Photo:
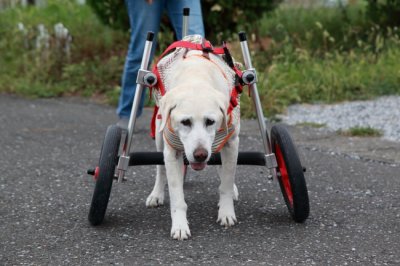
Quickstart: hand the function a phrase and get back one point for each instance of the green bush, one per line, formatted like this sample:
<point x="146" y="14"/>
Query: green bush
<point x="221" y="18"/>
<point x="385" y="13"/>
<point x="111" y="12"/>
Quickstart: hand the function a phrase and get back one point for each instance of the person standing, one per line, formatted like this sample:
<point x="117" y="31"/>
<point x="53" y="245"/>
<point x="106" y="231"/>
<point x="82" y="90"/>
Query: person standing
<point x="144" y="16"/>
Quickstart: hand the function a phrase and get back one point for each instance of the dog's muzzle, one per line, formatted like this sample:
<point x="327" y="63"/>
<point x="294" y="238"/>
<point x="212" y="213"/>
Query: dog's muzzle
<point x="200" y="155"/>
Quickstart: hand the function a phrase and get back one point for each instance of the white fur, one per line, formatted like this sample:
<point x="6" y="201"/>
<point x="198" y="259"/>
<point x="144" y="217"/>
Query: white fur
<point x="198" y="91"/>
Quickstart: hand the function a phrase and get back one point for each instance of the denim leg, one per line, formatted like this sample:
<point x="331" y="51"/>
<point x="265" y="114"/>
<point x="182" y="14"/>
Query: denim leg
<point x="175" y="13"/>
<point x="143" y="17"/>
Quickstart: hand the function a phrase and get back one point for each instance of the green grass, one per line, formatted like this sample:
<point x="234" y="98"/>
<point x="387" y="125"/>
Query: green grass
<point x="311" y="124"/>
<point x="361" y="132"/>
<point x="315" y="29"/>
<point x="346" y="76"/>
<point x="94" y="67"/>
<point x="324" y="55"/>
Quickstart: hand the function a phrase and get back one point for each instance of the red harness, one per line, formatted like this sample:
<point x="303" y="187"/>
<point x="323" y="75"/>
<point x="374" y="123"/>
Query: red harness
<point x="206" y="47"/>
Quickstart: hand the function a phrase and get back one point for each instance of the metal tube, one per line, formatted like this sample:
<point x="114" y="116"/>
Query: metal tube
<point x="254" y="94"/>
<point x="157" y="158"/>
<point x="122" y="165"/>
<point x="185" y="22"/>
<point x="139" y="91"/>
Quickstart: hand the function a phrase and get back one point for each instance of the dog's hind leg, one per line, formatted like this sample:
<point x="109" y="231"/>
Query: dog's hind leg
<point x="156" y="197"/>
<point x="227" y="189"/>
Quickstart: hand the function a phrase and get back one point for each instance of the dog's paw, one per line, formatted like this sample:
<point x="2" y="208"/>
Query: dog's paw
<point x="180" y="231"/>
<point x="235" y="193"/>
<point x="226" y="212"/>
<point x="154" y="200"/>
<point x="227" y="220"/>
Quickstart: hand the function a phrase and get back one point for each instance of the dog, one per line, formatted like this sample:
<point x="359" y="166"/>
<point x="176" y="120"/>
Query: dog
<point x="195" y="108"/>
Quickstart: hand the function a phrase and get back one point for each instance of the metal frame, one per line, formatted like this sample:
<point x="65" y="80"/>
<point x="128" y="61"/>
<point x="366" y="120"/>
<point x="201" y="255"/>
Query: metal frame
<point x="270" y="157"/>
<point x="123" y="161"/>
<point x="127" y="159"/>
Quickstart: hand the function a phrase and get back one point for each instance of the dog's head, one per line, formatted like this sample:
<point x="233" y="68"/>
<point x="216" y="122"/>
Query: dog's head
<point x="195" y="117"/>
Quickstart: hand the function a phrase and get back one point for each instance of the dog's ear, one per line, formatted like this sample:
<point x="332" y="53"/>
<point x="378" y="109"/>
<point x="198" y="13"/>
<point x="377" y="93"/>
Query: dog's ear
<point x="224" y="123"/>
<point x="223" y="106"/>
<point x="166" y="106"/>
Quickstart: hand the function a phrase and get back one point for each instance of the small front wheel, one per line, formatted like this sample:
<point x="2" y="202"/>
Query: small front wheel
<point x="106" y="171"/>
<point x="290" y="174"/>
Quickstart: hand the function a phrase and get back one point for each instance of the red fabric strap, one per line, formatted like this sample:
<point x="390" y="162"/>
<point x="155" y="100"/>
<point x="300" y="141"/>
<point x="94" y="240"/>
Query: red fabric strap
<point x="153" y="122"/>
<point x="194" y="46"/>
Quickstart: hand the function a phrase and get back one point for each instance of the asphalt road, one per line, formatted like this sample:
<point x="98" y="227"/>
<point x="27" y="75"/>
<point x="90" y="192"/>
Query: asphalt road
<point x="47" y="145"/>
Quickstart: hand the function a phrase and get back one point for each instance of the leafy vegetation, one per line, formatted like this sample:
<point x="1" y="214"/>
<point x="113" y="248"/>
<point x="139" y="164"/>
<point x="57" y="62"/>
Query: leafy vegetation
<point x="239" y="15"/>
<point x="311" y="124"/>
<point x="301" y="55"/>
<point x="384" y="12"/>
<point x="361" y="132"/>
<point x="325" y="55"/>
<point x="93" y="66"/>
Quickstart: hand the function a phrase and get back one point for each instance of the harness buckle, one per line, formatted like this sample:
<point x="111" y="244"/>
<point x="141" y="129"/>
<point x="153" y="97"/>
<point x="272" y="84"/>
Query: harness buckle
<point x="206" y="47"/>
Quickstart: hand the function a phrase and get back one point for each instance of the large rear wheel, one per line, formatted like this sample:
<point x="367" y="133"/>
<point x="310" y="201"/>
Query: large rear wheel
<point x="290" y="174"/>
<point x="105" y="174"/>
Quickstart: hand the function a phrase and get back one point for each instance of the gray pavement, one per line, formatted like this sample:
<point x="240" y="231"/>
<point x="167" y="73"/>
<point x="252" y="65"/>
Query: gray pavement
<point x="46" y="146"/>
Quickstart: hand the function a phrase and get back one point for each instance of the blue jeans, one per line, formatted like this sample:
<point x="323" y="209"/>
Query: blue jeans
<point x="144" y="17"/>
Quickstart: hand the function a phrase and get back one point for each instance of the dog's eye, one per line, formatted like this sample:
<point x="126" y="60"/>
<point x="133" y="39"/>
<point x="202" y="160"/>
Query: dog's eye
<point x="186" y="122"/>
<point x="209" y="122"/>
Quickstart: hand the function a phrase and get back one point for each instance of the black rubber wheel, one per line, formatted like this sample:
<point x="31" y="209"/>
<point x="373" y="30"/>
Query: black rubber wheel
<point x="107" y="163"/>
<point x="290" y="174"/>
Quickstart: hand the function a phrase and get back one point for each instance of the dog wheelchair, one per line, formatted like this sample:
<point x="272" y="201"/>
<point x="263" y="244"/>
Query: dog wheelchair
<point x="279" y="153"/>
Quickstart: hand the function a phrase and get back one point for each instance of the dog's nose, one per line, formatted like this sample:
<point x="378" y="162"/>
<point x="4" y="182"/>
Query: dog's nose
<point x="200" y="154"/>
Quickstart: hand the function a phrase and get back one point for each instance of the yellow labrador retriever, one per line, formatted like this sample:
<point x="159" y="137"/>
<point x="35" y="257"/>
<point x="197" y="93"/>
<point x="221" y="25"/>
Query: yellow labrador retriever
<point x="194" y="110"/>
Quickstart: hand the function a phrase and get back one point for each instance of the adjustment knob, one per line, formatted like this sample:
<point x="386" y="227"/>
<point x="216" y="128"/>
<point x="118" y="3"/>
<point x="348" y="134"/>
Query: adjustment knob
<point x="249" y="77"/>
<point x="150" y="79"/>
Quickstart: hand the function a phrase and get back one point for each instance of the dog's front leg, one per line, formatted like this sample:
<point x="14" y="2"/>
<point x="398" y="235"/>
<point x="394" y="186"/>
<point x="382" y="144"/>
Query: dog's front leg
<point x="156" y="197"/>
<point x="173" y="165"/>
<point x="227" y="188"/>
